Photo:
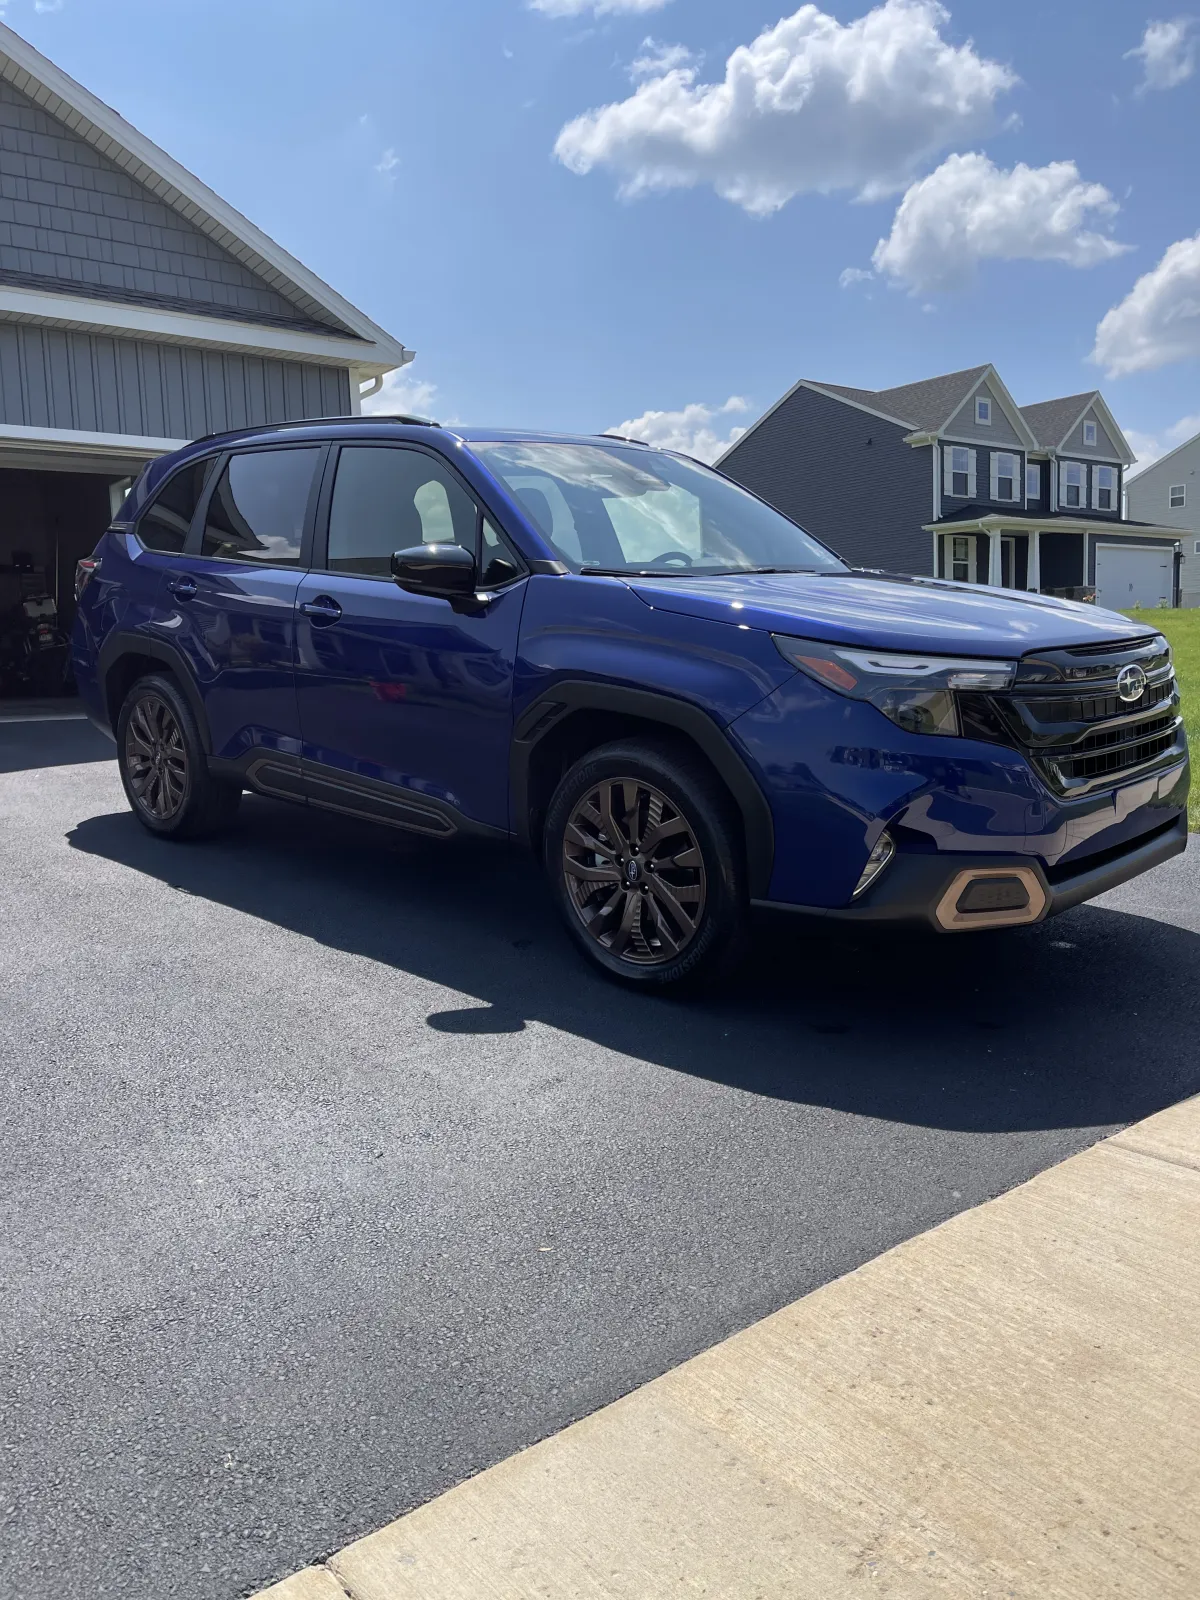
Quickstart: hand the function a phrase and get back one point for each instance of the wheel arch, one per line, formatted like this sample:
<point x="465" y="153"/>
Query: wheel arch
<point x="576" y="716"/>
<point x="126" y="657"/>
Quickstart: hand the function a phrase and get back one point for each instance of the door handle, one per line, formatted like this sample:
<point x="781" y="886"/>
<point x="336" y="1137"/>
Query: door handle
<point x="323" y="611"/>
<point x="183" y="588"/>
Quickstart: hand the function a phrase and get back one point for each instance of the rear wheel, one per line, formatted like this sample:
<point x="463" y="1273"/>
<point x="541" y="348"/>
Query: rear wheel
<point x="163" y="765"/>
<point x="644" y="853"/>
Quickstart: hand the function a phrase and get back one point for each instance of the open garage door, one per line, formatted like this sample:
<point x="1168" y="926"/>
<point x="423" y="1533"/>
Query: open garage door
<point x="1130" y="575"/>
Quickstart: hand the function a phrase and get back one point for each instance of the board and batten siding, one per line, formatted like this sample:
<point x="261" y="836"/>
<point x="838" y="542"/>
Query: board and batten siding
<point x="72" y="219"/>
<point x="50" y="378"/>
<point x="845" y="475"/>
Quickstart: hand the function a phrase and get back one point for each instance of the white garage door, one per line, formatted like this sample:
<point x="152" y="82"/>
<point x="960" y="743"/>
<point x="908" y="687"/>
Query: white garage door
<point x="1127" y="575"/>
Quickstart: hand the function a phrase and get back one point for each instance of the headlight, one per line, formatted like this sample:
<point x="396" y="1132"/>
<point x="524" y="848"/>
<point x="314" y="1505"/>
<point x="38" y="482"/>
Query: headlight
<point x="916" y="692"/>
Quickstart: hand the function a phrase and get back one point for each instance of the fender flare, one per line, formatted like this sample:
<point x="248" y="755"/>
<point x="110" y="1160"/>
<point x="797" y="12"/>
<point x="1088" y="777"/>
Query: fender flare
<point x="120" y="644"/>
<point x="550" y="708"/>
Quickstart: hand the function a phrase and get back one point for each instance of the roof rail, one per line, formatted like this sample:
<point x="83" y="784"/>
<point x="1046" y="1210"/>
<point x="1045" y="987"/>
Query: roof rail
<point x="623" y="438"/>
<point x="317" y="422"/>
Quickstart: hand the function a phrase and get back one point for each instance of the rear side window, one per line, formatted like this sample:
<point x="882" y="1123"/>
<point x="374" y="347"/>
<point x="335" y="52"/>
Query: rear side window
<point x="258" y="508"/>
<point x="387" y="499"/>
<point x="165" y="522"/>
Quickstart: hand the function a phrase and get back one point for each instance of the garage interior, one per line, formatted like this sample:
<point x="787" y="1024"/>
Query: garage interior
<point x="48" y="521"/>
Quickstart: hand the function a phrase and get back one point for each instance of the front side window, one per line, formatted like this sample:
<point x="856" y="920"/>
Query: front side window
<point x="1104" y="488"/>
<point x="1033" y="481"/>
<point x="1178" y="495"/>
<point x="257" y="510"/>
<point x="983" y="411"/>
<point x="165" y="523"/>
<point x="1089" y="433"/>
<point x="960" y="557"/>
<point x="1006" y="471"/>
<point x="960" y="471"/>
<point x="616" y="508"/>
<point x="1071" y="484"/>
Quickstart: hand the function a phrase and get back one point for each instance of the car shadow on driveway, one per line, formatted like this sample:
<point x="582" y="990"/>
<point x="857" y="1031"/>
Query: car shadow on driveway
<point x="1088" y="1021"/>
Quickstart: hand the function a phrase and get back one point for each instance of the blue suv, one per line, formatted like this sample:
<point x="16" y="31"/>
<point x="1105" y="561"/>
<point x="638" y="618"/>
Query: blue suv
<point x="677" y="699"/>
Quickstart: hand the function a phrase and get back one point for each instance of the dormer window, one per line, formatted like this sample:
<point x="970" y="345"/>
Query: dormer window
<point x="1006" y="470"/>
<point x="1072" y="483"/>
<point x="983" y="411"/>
<point x="1089" y="433"/>
<point x="960" y="472"/>
<point x="1104" y="488"/>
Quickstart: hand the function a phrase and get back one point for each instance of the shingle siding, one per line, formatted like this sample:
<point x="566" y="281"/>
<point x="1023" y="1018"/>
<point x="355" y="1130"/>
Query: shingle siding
<point x="847" y="476"/>
<point x="70" y="219"/>
<point x="88" y="382"/>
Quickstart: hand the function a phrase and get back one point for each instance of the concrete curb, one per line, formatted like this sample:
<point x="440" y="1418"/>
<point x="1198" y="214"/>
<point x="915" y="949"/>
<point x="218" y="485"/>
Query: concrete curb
<point x="1005" y="1406"/>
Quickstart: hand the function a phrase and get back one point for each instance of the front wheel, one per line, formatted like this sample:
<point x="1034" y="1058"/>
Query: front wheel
<point x="645" y="856"/>
<point x="163" y="766"/>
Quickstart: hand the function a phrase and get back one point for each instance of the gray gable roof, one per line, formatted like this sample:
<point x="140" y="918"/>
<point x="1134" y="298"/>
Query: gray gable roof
<point x="1052" y="420"/>
<point x="922" y="406"/>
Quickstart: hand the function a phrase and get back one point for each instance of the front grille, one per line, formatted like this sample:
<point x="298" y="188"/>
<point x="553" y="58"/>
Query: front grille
<point x="1064" y="714"/>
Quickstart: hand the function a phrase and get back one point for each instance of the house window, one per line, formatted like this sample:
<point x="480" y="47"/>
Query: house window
<point x="960" y="471"/>
<point x="1033" y="481"/>
<point x="1006" y="475"/>
<point x="1071" y="484"/>
<point x="960" y="557"/>
<point x="1104" y="488"/>
<point x="1178" y="493"/>
<point x="1089" y="433"/>
<point x="983" y="411"/>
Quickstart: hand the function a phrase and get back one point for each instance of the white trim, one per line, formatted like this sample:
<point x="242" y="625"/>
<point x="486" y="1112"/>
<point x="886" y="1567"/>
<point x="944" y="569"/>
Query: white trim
<point x="1033" y="466"/>
<point x="1008" y="405"/>
<point x="90" y="119"/>
<point x="949" y="470"/>
<point x="995" y="520"/>
<point x="1018" y="497"/>
<point x="994" y="571"/>
<point x="77" y="312"/>
<point x="1172" y="489"/>
<point x="1094" y="442"/>
<point x="1097" y="401"/>
<point x="983" y="402"/>
<point x="936" y="456"/>
<point x="135" y="447"/>
<point x="1064" y="484"/>
<point x="1033" y="569"/>
<point x="1113" y="488"/>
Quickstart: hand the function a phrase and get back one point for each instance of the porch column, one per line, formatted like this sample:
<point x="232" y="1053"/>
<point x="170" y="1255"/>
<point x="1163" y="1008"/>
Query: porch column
<point x="1033" y="574"/>
<point x="995" y="572"/>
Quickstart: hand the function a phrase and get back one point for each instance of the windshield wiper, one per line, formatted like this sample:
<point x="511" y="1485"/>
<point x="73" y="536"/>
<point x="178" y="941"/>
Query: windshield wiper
<point x="651" y="572"/>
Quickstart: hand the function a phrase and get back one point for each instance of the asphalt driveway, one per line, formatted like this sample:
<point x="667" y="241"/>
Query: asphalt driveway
<point x="331" y="1176"/>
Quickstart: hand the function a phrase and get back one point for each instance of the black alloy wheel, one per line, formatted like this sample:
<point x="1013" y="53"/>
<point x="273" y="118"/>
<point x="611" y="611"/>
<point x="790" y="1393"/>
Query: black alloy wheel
<point x="155" y="758"/>
<point x="634" y="871"/>
<point x="644" y="850"/>
<point x="164" y="766"/>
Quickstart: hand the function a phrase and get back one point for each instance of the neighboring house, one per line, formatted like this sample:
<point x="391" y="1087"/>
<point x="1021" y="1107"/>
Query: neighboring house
<point x="137" y="310"/>
<point x="1168" y="491"/>
<point x="950" y="478"/>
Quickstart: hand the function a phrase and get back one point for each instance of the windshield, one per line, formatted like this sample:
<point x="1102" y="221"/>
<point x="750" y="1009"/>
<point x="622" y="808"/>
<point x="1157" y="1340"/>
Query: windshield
<point x="616" y="509"/>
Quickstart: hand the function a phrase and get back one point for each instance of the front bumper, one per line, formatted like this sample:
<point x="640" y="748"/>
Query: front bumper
<point x="921" y="889"/>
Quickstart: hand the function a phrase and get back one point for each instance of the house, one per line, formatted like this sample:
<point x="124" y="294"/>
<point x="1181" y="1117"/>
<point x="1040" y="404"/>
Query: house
<point x="1168" y="492"/>
<point x="137" y="310"/>
<point x="950" y="478"/>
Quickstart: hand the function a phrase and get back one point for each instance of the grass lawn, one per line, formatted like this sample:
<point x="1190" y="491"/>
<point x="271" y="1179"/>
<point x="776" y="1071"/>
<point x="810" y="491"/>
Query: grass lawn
<point x="1182" y="628"/>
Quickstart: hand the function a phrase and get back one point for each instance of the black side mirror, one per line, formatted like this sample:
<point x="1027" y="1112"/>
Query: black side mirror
<point x="445" y="570"/>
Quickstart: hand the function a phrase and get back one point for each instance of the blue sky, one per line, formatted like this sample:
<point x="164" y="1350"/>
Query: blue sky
<point x="688" y="245"/>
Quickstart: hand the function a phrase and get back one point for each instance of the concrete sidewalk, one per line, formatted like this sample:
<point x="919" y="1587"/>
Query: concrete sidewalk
<point x="1006" y="1406"/>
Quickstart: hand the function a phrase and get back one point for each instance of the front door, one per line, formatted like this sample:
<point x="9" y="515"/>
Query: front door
<point x="234" y="600"/>
<point x="406" y="700"/>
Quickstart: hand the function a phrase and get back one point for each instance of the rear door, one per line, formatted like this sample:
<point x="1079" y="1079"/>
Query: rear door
<point x="405" y="699"/>
<point x="234" y="599"/>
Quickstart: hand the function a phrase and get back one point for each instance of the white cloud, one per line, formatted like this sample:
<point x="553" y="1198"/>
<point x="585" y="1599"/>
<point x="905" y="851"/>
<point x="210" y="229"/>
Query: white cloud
<point x="599" y="8"/>
<point x="402" y="395"/>
<point x="47" y="5"/>
<point x="1159" y="319"/>
<point x="387" y="164"/>
<point x="969" y="210"/>
<point x="810" y="105"/>
<point x="1148" y="447"/>
<point x="656" y="59"/>
<point x="852" y="275"/>
<point x="694" y="431"/>
<point x="1167" y="53"/>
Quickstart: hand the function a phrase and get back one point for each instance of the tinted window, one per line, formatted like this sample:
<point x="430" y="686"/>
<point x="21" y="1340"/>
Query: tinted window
<point x="390" y="499"/>
<point x="164" y="524"/>
<point x="257" y="510"/>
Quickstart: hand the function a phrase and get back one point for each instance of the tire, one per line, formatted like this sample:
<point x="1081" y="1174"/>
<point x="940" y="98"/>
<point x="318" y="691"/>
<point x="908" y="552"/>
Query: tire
<point x="163" y="765"/>
<point x="672" y="916"/>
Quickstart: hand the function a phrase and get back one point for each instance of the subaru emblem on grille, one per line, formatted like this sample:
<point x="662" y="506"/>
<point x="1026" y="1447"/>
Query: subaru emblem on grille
<point x="1131" y="682"/>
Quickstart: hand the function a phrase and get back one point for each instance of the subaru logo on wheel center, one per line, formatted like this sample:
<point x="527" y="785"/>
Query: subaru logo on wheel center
<point x="1131" y="682"/>
<point x="632" y="872"/>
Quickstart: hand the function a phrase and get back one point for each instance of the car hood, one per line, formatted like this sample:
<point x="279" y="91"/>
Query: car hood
<point x="896" y="613"/>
